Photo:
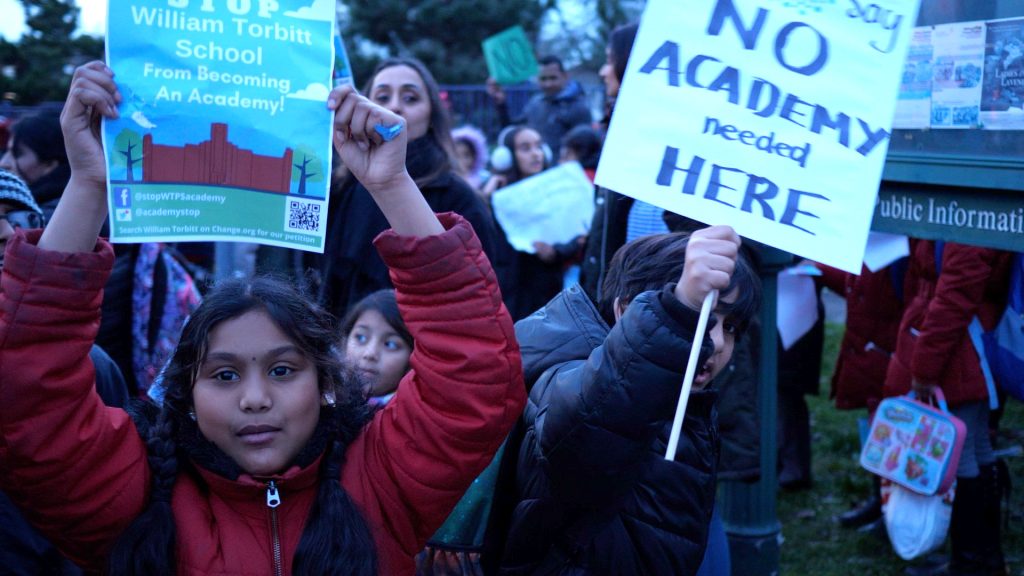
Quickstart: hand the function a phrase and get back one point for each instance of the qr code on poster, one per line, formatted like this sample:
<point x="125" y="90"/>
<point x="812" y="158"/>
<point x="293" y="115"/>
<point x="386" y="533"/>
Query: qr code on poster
<point x="303" y="216"/>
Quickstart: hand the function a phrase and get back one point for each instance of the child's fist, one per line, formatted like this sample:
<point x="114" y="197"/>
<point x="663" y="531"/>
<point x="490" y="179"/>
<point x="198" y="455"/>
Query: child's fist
<point x="710" y="261"/>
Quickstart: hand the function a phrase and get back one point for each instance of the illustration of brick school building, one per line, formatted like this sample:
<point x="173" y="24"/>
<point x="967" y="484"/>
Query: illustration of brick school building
<point x="215" y="162"/>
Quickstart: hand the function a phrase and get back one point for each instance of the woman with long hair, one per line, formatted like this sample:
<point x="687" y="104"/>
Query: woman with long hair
<point x="350" y="269"/>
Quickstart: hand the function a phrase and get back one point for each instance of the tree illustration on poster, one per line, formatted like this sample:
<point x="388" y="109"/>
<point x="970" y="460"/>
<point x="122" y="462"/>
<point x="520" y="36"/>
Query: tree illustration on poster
<point x="307" y="167"/>
<point x="128" y="145"/>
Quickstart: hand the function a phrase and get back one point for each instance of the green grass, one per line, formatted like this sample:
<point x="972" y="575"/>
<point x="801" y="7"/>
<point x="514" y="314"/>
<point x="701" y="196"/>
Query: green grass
<point x="813" y="543"/>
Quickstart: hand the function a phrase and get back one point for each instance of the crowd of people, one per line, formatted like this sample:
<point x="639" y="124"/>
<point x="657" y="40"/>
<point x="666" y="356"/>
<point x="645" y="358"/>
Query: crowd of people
<point x="427" y="398"/>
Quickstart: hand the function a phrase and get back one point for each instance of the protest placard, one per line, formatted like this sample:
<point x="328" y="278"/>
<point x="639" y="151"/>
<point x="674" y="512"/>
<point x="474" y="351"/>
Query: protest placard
<point x="224" y="133"/>
<point x="771" y="117"/>
<point x="554" y="207"/>
<point x="510" y="56"/>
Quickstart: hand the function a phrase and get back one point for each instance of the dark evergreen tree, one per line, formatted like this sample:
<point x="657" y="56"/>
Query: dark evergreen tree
<point x="42" y="61"/>
<point x="444" y="34"/>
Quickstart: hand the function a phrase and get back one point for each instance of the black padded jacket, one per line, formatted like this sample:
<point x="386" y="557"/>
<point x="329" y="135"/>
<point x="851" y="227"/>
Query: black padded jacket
<point x="594" y="492"/>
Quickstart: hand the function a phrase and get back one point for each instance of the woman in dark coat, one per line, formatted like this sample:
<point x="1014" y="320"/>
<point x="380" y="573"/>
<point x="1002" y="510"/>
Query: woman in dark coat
<point x="350" y="268"/>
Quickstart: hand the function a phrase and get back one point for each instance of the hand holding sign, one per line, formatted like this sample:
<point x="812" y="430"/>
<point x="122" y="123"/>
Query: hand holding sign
<point x="710" y="261"/>
<point x="93" y="94"/>
<point x="83" y="207"/>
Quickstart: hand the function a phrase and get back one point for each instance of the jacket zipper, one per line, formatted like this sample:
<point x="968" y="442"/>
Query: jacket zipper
<point x="273" y="501"/>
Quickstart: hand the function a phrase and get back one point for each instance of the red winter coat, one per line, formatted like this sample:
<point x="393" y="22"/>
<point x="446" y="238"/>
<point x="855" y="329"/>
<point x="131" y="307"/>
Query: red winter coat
<point x="79" y="469"/>
<point x="873" y="313"/>
<point x="933" y="345"/>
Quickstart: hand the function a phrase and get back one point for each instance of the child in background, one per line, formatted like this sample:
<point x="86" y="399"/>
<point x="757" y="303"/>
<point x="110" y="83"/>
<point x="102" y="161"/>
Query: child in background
<point x="377" y="344"/>
<point x="471" y="153"/>
<point x="527" y="281"/>
<point x="581" y="144"/>
<point x="263" y="458"/>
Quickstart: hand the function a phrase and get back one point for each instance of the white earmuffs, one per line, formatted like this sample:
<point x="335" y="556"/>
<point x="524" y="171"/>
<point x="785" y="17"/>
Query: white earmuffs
<point x="502" y="156"/>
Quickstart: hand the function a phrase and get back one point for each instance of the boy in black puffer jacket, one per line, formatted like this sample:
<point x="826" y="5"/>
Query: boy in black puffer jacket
<point x="594" y="492"/>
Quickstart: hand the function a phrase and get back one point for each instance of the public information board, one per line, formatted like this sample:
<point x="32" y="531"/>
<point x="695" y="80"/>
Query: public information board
<point x="223" y="132"/>
<point x="954" y="166"/>
<point x="771" y="117"/>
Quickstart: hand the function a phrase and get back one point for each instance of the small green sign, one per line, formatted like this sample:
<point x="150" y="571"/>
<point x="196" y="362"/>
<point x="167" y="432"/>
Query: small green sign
<point x="510" y="57"/>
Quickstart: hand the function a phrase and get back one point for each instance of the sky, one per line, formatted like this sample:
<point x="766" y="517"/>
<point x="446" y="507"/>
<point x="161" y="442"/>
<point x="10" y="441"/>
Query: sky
<point x="93" y="17"/>
<point x="91" y="20"/>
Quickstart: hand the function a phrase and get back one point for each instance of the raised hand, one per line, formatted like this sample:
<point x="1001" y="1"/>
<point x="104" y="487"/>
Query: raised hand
<point x="379" y="164"/>
<point x="710" y="261"/>
<point x="375" y="162"/>
<point x="93" y="94"/>
<point x="83" y="206"/>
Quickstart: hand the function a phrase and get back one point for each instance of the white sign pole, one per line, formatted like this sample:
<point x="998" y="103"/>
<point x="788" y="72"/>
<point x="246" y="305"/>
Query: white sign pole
<point x="691" y="371"/>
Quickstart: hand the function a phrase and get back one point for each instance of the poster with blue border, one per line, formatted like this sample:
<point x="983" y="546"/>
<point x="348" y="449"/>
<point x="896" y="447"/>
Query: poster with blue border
<point x="1002" y="92"/>
<point x="223" y="132"/>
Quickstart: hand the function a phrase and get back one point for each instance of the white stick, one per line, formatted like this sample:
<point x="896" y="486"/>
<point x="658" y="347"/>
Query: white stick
<point x="691" y="370"/>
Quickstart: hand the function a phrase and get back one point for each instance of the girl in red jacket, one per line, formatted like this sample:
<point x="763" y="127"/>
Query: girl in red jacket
<point x="263" y="458"/>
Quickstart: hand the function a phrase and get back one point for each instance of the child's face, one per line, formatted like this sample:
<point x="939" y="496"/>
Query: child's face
<point x="375" y="349"/>
<point x="723" y="335"/>
<point x="466" y="157"/>
<point x="257" y="396"/>
<point x="529" y="152"/>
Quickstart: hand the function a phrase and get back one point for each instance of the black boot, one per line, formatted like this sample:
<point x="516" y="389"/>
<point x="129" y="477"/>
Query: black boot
<point x="869" y="510"/>
<point x="995" y="479"/>
<point x="967" y="531"/>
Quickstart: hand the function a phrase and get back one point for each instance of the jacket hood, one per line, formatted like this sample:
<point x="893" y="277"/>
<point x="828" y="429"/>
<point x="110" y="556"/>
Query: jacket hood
<point x="568" y="328"/>
<point x="475" y="138"/>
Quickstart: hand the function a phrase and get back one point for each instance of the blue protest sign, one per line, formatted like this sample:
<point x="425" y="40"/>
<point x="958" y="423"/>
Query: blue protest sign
<point x="224" y="133"/>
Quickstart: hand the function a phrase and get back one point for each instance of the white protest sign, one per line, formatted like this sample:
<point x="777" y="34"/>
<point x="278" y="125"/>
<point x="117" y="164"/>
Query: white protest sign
<point x="771" y="117"/>
<point x="554" y="206"/>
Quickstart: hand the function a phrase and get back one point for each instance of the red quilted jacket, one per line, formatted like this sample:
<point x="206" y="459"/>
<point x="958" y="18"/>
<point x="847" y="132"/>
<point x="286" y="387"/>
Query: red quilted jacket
<point x="933" y="344"/>
<point x="873" y="313"/>
<point x="80" y="472"/>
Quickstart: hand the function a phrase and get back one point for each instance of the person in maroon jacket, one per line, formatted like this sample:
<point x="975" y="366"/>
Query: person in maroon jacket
<point x="263" y="458"/>
<point x="945" y="289"/>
